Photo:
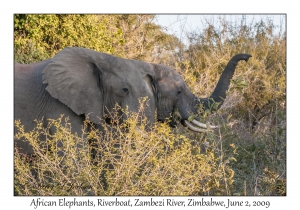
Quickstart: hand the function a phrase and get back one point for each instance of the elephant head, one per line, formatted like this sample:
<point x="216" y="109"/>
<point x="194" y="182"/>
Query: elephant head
<point x="92" y="83"/>
<point x="172" y="92"/>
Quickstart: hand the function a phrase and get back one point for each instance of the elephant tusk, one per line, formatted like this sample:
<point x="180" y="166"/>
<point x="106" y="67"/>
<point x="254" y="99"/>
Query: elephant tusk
<point x="193" y="128"/>
<point x="202" y="125"/>
<point x="199" y="124"/>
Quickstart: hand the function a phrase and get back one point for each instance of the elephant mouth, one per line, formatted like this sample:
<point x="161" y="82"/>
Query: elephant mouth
<point x="197" y="126"/>
<point x="193" y="125"/>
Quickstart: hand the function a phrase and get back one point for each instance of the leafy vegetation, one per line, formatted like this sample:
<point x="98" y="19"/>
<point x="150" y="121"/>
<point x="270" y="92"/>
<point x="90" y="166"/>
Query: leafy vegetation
<point x="246" y="155"/>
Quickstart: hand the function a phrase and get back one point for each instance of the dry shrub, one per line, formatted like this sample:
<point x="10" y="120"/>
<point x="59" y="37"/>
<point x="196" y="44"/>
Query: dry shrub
<point x="122" y="159"/>
<point x="253" y="116"/>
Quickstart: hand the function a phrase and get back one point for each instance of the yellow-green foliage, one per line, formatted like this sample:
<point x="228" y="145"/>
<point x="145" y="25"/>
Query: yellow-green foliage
<point x="39" y="37"/>
<point x="128" y="161"/>
<point x="42" y="36"/>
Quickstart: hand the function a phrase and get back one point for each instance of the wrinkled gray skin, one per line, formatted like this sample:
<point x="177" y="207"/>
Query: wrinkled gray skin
<point x="78" y="82"/>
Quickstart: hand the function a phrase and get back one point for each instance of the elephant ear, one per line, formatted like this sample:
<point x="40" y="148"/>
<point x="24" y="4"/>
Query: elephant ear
<point x="74" y="78"/>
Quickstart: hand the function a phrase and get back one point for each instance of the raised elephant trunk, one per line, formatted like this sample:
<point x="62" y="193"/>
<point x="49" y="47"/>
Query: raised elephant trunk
<point x="219" y="94"/>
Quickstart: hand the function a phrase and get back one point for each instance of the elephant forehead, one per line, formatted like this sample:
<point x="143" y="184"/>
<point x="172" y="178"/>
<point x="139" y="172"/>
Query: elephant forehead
<point x="127" y="76"/>
<point x="126" y="67"/>
<point x="168" y="74"/>
<point x="172" y="81"/>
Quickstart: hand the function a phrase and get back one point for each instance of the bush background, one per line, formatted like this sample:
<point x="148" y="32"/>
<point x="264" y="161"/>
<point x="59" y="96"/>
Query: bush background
<point x="246" y="156"/>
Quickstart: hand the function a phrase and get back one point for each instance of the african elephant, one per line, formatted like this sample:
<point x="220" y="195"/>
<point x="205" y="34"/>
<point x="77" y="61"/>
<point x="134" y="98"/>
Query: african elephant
<point x="79" y="82"/>
<point x="172" y="92"/>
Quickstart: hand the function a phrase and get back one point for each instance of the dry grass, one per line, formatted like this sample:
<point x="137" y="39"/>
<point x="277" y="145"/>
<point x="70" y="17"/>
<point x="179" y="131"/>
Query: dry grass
<point x="131" y="162"/>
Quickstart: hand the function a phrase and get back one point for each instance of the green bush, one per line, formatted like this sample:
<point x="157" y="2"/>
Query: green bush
<point x="39" y="37"/>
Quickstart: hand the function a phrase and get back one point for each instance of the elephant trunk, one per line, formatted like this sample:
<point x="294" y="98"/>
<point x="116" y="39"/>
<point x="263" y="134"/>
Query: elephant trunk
<point x="219" y="94"/>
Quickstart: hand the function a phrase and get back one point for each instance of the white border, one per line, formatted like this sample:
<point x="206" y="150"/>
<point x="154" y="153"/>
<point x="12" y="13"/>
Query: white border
<point x="8" y="8"/>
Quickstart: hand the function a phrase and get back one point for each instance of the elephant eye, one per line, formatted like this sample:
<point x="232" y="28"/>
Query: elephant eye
<point x="179" y="92"/>
<point x="125" y="90"/>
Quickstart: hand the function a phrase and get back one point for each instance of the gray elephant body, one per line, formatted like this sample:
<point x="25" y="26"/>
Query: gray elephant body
<point x="78" y="82"/>
<point x="33" y="102"/>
